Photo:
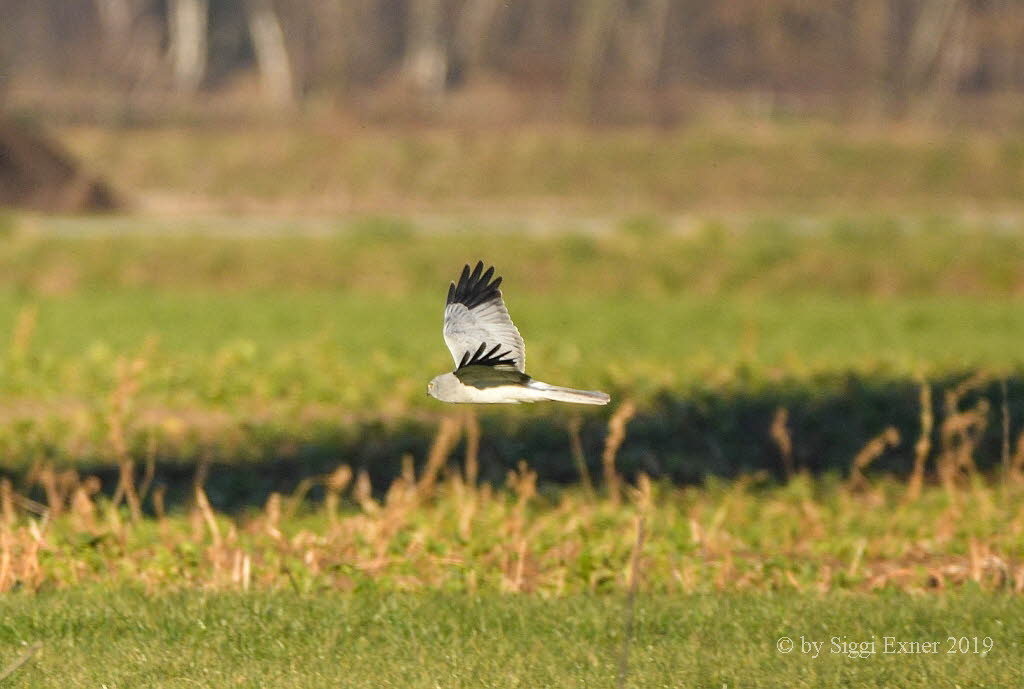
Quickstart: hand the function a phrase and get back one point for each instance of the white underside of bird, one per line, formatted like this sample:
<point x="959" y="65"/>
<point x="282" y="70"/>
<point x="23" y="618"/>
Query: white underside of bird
<point x="489" y="352"/>
<point x="451" y="389"/>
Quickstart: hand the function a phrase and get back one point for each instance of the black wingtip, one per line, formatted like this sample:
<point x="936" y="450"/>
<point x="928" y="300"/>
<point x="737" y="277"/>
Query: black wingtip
<point x="474" y="287"/>
<point x="484" y="357"/>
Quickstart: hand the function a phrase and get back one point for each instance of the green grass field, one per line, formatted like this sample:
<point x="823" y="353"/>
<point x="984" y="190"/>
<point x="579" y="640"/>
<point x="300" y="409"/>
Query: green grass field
<point x="122" y="638"/>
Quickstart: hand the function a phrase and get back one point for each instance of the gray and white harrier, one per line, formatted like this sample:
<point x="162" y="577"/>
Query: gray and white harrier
<point x="489" y="353"/>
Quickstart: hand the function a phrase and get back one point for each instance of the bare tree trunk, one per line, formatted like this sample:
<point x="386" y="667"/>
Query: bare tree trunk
<point x="472" y="31"/>
<point x="951" y="63"/>
<point x="116" y="17"/>
<point x="593" y="37"/>
<point x="271" y="53"/>
<point x="427" y="57"/>
<point x="871" y="52"/>
<point x="334" y="21"/>
<point x="187" y="22"/>
<point x="927" y="40"/>
<point x="646" y="42"/>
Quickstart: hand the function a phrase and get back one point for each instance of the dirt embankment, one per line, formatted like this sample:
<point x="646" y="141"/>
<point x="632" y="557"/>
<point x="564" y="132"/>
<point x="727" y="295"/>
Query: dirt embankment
<point x="37" y="173"/>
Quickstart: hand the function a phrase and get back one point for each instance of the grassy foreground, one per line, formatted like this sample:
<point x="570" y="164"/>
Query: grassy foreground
<point x="124" y="638"/>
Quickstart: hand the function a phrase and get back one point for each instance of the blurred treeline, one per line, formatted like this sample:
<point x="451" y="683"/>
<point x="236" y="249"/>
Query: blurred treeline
<point x="595" y="59"/>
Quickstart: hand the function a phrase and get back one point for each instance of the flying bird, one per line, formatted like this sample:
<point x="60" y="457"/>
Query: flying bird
<point x="489" y="353"/>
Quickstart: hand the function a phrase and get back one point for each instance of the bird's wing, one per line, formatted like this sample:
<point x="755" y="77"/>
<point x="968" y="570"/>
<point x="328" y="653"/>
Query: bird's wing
<point x="477" y="327"/>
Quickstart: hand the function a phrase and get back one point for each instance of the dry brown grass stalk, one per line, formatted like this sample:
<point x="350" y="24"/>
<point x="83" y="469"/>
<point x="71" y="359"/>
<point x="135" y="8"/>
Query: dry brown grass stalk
<point x="336" y="483"/>
<point x="874" y="448"/>
<point x="272" y="516"/>
<point x="46" y="477"/>
<point x="445" y="440"/>
<point x="150" y="471"/>
<point x="363" y="493"/>
<point x="783" y="441"/>
<point x="203" y="503"/>
<point x="298" y="496"/>
<point x="643" y="494"/>
<point x="616" y="436"/>
<point x="82" y="503"/>
<point x="524" y="483"/>
<point x="128" y="375"/>
<point x="961" y="431"/>
<point x="7" y="514"/>
<point x="923" y="446"/>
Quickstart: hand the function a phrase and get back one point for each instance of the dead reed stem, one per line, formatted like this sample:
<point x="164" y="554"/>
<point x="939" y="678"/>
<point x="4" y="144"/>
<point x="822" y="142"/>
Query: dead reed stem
<point x="363" y="493"/>
<point x="923" y="447"/>
<point x="616" y="435"/>
<point x="297" y="497"/>
<point x="336" y="483"/>
<point x="272" y="516"/>
<point x="7" y="502"/>
<point x="444" y="441"/>
<point x="5" y="559"/>
<point x="47" y="478"/>
<point x="120" y="399"/>
<point x="211" y="521"/>
<point x="961" y="431"/>
<point x="783" y="440"/>
<point x="82" y="505"/>
<point x="203" y="469"/>
<point x="874" y="448"/>
<point x="523" y="482"/>
<point x="150" y="472"/>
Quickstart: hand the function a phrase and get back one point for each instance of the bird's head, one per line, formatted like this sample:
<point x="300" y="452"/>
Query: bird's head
<point x="441" y="386"/>
<point x="432" y="387"/>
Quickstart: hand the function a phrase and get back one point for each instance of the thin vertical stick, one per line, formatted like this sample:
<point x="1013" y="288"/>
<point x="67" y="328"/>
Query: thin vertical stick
<point x="7" y="502"/>
<point x="783" y="440"/>
<point x="24" y="658"/>
<point x="208" y="516"/>
<point x="890" y="437"/>
<point x="150" y="473"/>
<point x="616" y="435"/>
<point x="444" y="441"/>
<point x="634" y="576"/>
<point x="924" y="443"/>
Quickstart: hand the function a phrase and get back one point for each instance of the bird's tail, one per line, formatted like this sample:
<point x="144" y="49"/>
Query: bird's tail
<point x="557" y="394"/>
